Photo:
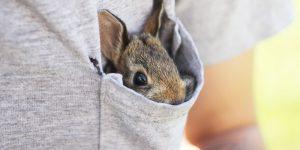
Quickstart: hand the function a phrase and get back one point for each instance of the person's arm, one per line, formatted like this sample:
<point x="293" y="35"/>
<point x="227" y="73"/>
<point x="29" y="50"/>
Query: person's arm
<point x="223" y="116"/>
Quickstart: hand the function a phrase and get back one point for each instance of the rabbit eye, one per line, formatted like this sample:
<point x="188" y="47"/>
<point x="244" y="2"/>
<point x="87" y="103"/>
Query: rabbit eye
<point x="140" y="79"/>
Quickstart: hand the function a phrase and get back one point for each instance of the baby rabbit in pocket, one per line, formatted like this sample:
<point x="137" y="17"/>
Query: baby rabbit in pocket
<point x="144" y="63"/>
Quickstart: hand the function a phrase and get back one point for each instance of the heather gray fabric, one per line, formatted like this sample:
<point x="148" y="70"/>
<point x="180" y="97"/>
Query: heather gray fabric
<point x="226" y="28"/>
<point x="49" y="90"/>
<point x="51" y="96"/>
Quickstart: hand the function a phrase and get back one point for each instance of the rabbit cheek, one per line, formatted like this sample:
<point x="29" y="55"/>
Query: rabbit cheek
<point x="158" y="94"/>
<point x="127" y="79"/>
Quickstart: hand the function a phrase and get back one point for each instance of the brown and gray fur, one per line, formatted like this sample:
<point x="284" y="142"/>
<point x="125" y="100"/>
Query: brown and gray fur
<point x="143" y="53"/>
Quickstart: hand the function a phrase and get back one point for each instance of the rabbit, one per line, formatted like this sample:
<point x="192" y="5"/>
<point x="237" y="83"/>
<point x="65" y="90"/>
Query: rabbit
<point x="144" y="63"/>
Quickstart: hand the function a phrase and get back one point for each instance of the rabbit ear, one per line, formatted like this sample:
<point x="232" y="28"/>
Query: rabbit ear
<point x="153" y="23"/>
<point x="113" y="35"/>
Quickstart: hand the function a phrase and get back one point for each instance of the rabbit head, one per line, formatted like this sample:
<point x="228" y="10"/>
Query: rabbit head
<point x="144" y="63"/>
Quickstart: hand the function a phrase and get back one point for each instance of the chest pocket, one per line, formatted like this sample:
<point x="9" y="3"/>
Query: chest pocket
<point x="130" y="121"/>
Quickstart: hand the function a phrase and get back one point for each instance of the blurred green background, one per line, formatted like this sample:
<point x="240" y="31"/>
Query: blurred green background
<point x="277" y="87"/>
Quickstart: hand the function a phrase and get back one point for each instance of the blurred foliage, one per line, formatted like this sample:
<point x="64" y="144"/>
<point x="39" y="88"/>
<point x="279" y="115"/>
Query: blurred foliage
<point x="277" y="87"/>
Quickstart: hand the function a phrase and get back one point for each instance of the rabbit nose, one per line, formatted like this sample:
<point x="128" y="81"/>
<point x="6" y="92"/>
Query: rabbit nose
<point x="177" y="98"/>
<point x="177" y="102"/>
